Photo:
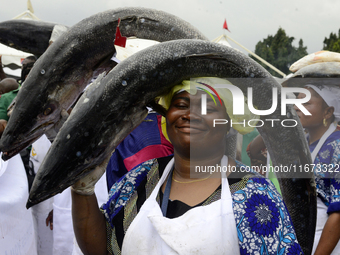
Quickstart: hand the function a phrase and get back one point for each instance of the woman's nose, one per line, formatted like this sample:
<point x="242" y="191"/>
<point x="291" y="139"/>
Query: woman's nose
<point x="296" y="108"/>
<point x="192" y="115"/>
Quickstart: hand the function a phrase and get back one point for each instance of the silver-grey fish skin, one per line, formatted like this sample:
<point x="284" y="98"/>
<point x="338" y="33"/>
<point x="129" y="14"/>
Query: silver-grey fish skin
<point x="26" y="35"/>
<point x="62" y="72"/>
<point x="102" y="118"/>
<point x="315" y="74"/>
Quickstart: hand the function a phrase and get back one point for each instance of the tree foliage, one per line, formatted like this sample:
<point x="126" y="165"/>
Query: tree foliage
<point x="279" y="51"/>
<point x="332" y="43"/>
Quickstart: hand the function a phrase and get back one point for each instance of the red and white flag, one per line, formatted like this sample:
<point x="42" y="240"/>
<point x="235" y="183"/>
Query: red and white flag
<point x="225" y="26"/>
<point x="119" y="40"/>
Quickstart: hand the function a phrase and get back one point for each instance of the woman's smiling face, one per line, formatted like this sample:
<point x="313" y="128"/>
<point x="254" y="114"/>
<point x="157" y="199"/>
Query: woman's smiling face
<point x="316" y="107"/>
<point x="188" y="128"/>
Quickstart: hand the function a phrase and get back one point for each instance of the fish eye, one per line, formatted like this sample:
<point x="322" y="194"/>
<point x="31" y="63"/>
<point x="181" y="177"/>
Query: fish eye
<point x="48" y="111"/>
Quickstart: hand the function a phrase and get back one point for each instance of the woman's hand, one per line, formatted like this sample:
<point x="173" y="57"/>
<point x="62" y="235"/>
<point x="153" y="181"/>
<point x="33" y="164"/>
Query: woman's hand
<point x="89" y="223"/>
<point x="85" y="186"/>
<point x="49" y="220"/>
<point x="257" y="152"/>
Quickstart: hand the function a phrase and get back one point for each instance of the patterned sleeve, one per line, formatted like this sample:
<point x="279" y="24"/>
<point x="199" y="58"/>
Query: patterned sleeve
<point x="327" y="174"/>
<point x="262" y="221"/>
<point x="121" y="193"/>
<point x="334" y="168"/>
<point x="122" y="190"/>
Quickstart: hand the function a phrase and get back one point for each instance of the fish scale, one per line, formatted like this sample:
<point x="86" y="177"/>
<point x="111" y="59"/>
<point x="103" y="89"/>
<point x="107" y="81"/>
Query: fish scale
<point x="115" y="104"/>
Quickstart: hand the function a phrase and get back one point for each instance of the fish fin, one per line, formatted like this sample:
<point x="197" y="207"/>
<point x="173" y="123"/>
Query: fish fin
<point x="157" y="107"/>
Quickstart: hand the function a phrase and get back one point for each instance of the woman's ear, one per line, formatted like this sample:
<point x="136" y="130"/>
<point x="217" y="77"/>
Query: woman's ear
<point x="329" y="112"/>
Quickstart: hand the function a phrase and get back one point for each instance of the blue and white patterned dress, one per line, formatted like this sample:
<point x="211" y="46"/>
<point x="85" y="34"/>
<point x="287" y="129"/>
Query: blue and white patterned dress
<point x="262" y="221"/>
<point x="327" y="171"/>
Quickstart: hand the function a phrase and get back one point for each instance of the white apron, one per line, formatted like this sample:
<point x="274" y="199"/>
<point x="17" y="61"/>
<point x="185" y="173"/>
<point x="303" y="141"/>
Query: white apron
<point x="322" y="215"/>
<point x="43" y="234"/>
<point x="209" y="229"/>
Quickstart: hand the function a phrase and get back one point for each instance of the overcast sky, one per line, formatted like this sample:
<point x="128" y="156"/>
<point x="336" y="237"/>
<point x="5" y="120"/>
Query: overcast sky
<point x="248" y="20"/>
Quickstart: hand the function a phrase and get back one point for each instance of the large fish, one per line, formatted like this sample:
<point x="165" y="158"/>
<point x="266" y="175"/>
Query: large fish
<point x="115" y="104"/>
<point x="315" y="74"/>
<point x="63" y="71"/>
<point x="27" y="35"/>
<point x="316" y="57"/>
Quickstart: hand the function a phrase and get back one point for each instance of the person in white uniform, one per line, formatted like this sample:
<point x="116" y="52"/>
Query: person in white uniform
<point x="44" y="235"/>
<point x="16" y="222"/>
<point x="324" y="144"/>
<point x="161" y="208"/>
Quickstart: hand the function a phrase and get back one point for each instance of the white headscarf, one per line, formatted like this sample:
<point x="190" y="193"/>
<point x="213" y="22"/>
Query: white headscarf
<point x="331" y="95"/>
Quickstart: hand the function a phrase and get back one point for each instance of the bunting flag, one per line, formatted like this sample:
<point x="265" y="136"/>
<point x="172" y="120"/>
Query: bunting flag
<point x="225" y="26"/>
<point x="119" y="40"/>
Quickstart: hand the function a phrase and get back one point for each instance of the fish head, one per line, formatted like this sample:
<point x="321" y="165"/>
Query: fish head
<point x="100" y="127"/>
<point x="37" y="107"/>
<point x="27" y="123"/>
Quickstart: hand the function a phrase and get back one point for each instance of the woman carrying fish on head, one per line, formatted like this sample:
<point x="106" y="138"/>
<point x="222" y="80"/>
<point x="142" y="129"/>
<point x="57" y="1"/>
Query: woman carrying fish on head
<point x="160" y="207"/>
<point x="324" y="143"/>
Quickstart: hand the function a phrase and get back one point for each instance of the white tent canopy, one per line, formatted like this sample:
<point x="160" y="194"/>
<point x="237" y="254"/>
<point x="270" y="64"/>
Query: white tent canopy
<point x="28" y="14"/>
<point x="11" y="59"/>
<point x="223" y="39"/>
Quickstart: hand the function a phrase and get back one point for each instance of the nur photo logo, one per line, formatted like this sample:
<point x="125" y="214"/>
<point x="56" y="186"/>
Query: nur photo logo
<point x="239" y="99"/>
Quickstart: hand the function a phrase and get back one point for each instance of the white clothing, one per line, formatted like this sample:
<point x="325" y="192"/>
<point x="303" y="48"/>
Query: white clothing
<point x="322" y="215"/>
<point x="43" y="233"/>
<point x="39" y="150"/>
<point x="206" y="229"/>
<point x="16" y="222"/>
<point x="64" y="239"/>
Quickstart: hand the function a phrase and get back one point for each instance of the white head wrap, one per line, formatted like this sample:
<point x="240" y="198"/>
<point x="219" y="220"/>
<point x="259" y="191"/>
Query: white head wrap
<point x="331" y="95"/>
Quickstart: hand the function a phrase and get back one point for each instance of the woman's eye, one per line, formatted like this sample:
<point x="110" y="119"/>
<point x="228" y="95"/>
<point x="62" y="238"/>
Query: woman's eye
<point x="181" y="105"/>
<point x="210" y="109"/>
